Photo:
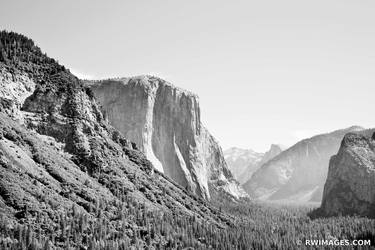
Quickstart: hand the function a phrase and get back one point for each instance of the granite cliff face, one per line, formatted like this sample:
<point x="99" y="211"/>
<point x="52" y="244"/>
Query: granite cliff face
<point x="165" y="122"/>
<point x="350" y="185"/>
<point x="297" y="174"/>
<point x="274" y="150"/>
<point x="244" y="162"/>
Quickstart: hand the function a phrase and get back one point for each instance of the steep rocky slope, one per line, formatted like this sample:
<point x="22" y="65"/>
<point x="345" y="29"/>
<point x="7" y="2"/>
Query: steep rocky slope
<point x="350" y="185"/>
<point x="165" y="122"/>
<point x="298" y="173"/>
<point x="57" y="152"/>
<point x="244" y="162"/>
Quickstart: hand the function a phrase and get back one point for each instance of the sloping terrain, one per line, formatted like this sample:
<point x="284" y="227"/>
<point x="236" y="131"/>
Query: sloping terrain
<point x="297" y="174"/>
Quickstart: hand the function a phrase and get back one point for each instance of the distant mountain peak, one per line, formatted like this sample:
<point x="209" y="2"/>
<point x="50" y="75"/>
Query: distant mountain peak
<point x="280" y="146"/>
<point x="244" y="162"/>
<point x="355" y="128"/>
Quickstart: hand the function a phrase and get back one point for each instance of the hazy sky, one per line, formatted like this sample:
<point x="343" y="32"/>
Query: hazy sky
<point x="266" y="71"/>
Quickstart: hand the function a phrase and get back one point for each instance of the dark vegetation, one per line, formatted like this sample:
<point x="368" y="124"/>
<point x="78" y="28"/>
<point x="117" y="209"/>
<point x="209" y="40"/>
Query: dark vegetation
<point x="256" y="227"/>
<point x="99" y="192"/>
<point x="19" y="53"/>
<point x="74" y="230"/>
<point x="277" y="226"/>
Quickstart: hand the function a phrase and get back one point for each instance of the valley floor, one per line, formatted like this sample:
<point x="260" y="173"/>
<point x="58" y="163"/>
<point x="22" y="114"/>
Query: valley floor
<point x="253" y="226"/>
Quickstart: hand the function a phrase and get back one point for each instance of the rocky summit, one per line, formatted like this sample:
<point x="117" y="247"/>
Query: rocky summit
<point x="350" y="185"/>
<point x="297" y="174"/>
<point x="164" y="121"/>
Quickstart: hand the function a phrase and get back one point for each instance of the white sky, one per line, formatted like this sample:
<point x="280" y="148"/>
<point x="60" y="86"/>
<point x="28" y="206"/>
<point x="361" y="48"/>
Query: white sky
<point x="266" y="71"/>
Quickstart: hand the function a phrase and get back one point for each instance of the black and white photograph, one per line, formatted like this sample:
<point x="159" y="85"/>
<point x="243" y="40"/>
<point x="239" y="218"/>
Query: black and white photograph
<point x="170" y="124"/>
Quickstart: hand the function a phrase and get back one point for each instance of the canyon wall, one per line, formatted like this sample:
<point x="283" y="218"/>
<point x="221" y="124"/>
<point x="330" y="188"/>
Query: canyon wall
<point x="164" y="121"/>
<point x="350" y="185"/>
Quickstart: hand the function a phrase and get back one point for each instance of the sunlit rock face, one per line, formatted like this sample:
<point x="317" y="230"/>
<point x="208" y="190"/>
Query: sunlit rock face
<point x="165" y="122"/>
<point x="15" y="88"/>
<point x="297" y="174"/>
<point x="350" y="185"/>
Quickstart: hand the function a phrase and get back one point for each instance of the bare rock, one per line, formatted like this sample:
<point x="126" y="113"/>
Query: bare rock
<point x="164" y="121"/>
<point x="350" y="185"/>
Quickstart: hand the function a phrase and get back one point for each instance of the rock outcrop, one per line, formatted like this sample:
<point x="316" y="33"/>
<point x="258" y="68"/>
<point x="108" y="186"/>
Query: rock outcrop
<point x="165" y="122"/>
<point x="244" y="162"/>
<point x="297" y="174"/>
<point x="350" y="185"/>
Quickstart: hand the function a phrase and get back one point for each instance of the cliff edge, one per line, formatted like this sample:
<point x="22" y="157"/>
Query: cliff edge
<point x="350" y="185"/>
<point x="165" y="122"/>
